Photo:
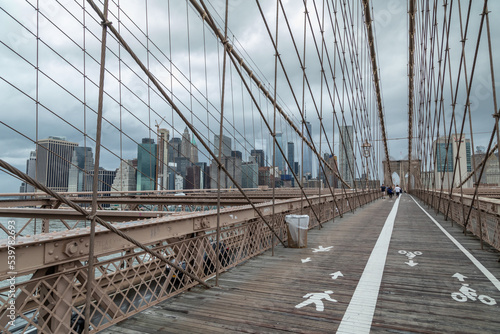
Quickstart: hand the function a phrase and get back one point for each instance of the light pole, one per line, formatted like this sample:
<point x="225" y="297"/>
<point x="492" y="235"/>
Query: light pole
<point x="366" y="153"/>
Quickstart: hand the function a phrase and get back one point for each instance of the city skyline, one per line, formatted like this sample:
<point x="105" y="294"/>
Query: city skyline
<point x="148" y="167"/>
<point x="146" y="163"/>
<point x="150" y="164"/>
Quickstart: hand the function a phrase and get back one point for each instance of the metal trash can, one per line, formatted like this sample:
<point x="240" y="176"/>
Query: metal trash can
<point x="297" y="226"/>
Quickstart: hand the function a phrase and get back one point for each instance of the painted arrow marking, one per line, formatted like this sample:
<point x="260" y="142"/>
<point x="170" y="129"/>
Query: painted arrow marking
<point x="411" y="263"/>
<point x="305" y="260"/>
<point x="322" y="249"/>
<point x="336" y="275"/>
<point x="459" y="276"/>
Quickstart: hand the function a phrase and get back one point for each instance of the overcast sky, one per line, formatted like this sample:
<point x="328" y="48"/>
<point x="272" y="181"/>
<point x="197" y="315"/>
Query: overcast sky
<point x="67" y="101"/>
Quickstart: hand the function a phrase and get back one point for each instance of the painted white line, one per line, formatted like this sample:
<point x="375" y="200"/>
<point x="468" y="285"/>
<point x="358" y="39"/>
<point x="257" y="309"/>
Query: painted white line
<point x="471" y="257"/>
<point x="359" y="314"/>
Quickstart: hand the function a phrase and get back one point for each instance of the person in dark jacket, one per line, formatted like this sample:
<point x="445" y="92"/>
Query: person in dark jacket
<point x="390" y="192"/>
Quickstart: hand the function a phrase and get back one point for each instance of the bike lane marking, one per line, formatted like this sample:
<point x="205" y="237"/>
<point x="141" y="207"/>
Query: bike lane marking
<point x="471" y="257"/>
<point x="359" y="314"/>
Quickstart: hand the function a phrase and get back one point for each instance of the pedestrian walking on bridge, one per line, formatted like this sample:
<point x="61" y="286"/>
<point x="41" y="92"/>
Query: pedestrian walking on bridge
<point x="382" y="189"/>
<point x="397" y="190"/>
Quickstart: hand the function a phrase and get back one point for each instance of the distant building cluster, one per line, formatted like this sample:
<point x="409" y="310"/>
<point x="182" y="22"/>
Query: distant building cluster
<point x="454" y="162"/>
<point x="63" y="166"/>
<point x="346" y="154"/>
<point x="172" y="164"/>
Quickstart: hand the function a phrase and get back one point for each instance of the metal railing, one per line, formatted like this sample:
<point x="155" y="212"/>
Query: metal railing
<point x="484" y="217"/>
<point x="51" y="285"/>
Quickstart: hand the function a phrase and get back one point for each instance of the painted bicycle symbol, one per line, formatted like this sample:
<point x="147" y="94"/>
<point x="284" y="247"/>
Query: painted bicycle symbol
<point x="465" y="293"/>
<point x="410" y="256"/>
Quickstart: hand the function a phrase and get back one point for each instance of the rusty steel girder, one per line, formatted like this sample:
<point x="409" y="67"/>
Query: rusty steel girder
<point x="54" y="248"/>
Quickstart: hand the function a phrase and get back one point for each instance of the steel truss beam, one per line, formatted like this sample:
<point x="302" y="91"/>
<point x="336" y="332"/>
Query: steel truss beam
<point x="66" y="246"/>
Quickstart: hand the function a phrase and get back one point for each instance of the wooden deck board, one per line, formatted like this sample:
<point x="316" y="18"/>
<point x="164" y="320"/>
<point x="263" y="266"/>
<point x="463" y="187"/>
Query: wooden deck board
<point x="260" y="296"/>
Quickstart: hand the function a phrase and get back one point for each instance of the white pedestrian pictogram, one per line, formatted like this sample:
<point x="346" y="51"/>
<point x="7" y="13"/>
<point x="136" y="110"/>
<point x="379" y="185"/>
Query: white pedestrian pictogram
<point x="322" y="249"/>
<point x="305" y="260"/>
<point x="336" y="275"/>
<point x="316" y="298"/>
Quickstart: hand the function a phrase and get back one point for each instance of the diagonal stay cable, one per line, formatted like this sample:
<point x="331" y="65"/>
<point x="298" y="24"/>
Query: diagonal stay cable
<point x="483" y="15"/>
<point x="306" y="82"/>
<point x="181" y="115"/>
<point x="376" y="80"/>
<point x="268" y="95"/>
<point x="293" y="93"/>
<point x="270" y="129"/>
<point x="290" y="167"/>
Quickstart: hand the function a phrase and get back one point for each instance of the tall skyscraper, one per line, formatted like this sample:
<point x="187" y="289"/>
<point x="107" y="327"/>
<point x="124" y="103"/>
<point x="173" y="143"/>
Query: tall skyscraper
<point x="226" y="146"/>
<point x="237" y="154"/>
<point x="194" y="150"/>
<point x="308" y="152"/>
<point x="125" y="179"/>
<point x="174" y="150"/>
<point x="186" y="144"/>
<point x="346" y="154"/>
<point x="204" y="175"/>
<point x="146" y="165"/>
<point x="31" y="172"/>
<point x="249" y="174"/>
<point x="193" y="177"/>
<point x="182" y="164"/>
<point x="329" y="174"/>
<point x="163" y="136"/>
<point x="260" y="157"/>
<point x="82" y="163"/>
<point x="105" y="179"/>
<point x="290" y="153"/>
<point x="445" y="161"/>
<point x="279" y="160"/>
<point x="52" y="162"/>
<point x="233" y="166"/>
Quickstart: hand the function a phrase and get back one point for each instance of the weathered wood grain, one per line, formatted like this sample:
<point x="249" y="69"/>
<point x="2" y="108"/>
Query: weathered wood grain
<point x="260" y="296"/>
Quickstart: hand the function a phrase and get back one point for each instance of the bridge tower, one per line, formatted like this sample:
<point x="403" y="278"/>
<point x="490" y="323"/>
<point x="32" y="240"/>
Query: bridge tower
<point x="400" y="167"/>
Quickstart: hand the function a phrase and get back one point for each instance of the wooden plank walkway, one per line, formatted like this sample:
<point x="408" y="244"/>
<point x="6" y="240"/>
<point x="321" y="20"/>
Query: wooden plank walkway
<point x="423" y="268"/>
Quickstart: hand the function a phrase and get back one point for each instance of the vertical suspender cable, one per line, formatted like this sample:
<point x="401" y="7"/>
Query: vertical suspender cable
<point x="221" y="128"/>
<point x="90" y="272"/>
<point x="37" y="70"/>
<point x="411" y="52"/>
<point x="274" y="124"/>
<point x="321" y="109"/>
<point x="303" y="111"/>
<point x="496" y="114"/>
